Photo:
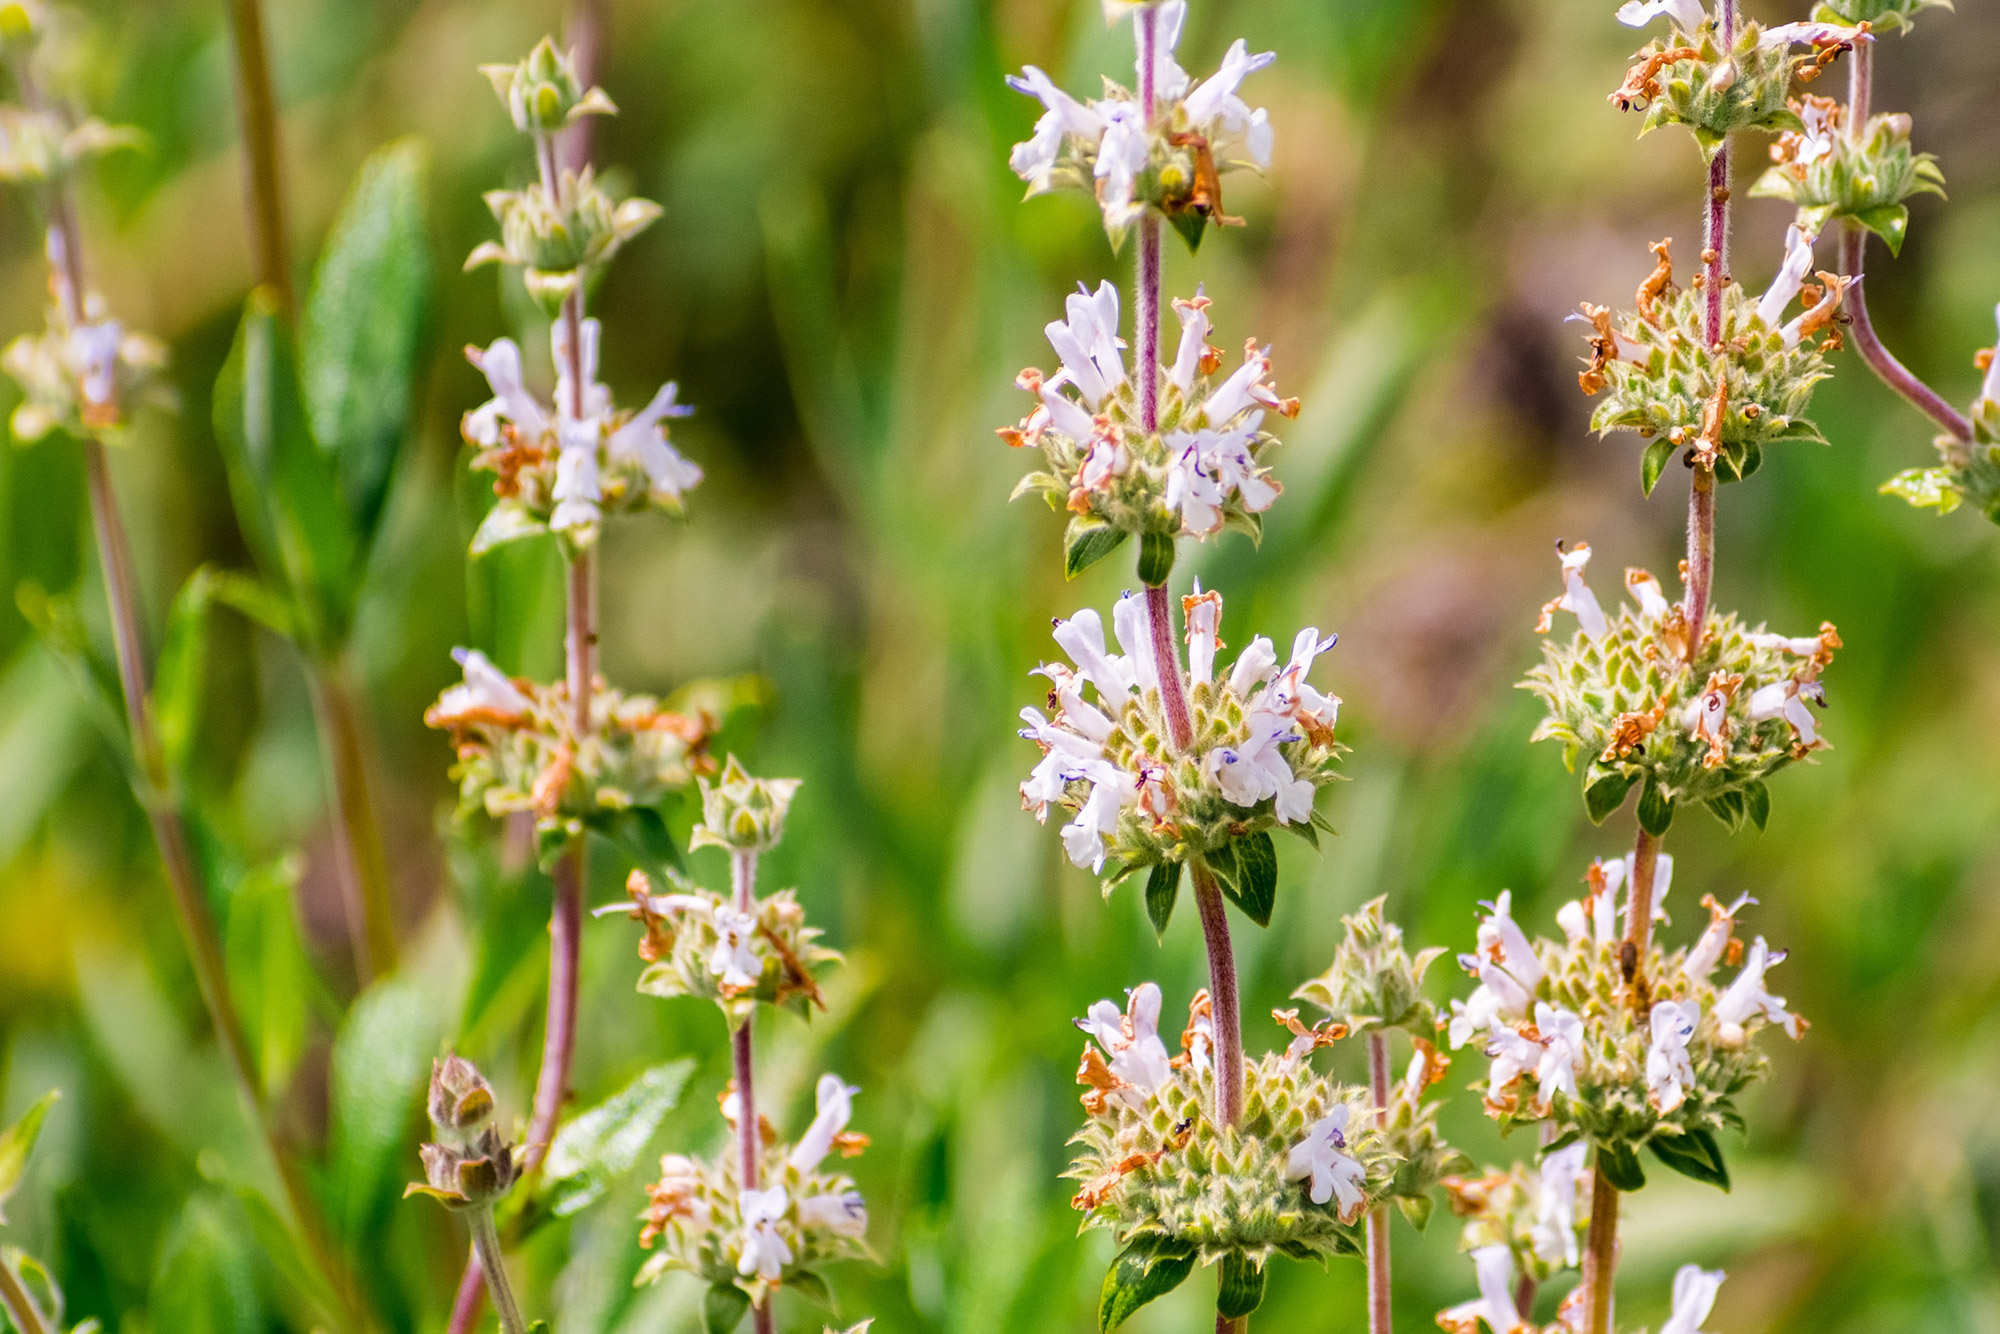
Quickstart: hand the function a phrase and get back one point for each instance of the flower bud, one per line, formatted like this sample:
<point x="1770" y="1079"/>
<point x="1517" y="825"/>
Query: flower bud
<point x="742" y="813"/>
<point x="554" y="238"/>
<point x="472" y="1167"/>
<point x="461" y="1101"/>
<point x="542" y="92"/>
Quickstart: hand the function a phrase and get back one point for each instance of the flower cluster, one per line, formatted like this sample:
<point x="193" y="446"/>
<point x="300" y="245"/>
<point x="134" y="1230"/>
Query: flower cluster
<point x="1694" y="77"/>
<point x="1724" y="401"/>
<point x="1970" y="468"/>
<point x="38" y="145"/>
<point x="1622" y="1047"/>
<point x="803" y="1215"/>
<point x="519" y="749"/>
<point x="1262" y="742"/>
<point x="469" y="1166"/>
<point x="698" y="943"/>
<point x="1170" y="159"/>
<point x="1536" y="1214"/>
<point x="1153" y="1165"/>
<point x="1631" y="709"/>
<point x="82" y="376"/>
<point x="1199" y="472"/>
<point x="559" y="470"/>
<point x="1829" y="173"/>
<point x="1374" y="983"/>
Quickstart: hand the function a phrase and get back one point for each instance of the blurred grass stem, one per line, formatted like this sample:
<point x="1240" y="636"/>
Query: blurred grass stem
<point x="20" y="1307"/>
<point x="1226" y="1009"/>
<point x="258" y="107"/>
<point x="743" y="882"/>
<point x="486" y="1245"/>
<point x="1378" y="1218"/>
<point x="1853" y="255"/>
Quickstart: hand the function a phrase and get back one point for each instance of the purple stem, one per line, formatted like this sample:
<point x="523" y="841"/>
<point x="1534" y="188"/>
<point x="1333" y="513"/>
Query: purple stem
<point x="1701" y="494"/>
<point x="1167" y="664"/>
<point x="1378" y="1218"/>
<point x="743" y="880"/>
<point x="1226" y="1009"/>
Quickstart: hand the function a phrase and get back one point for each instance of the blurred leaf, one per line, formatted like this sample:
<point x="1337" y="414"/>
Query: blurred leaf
<point x="594" y="1148"/>
<point x="1086" y="544"/>
<point x="1417" y="1209"/>
<point x="41" y="741"/>
<point x="378" y="1077"/>
<point x="206" y="1282"/>
<point x="1140" y="1274"/>
<point x="279" y="1244"/>
<point x="1695" y="1154"/>
<point x="36" y="1283"/>
<point x="284" y="488"/>
<point x="17" y="1142"/>
<point x="269" y="969"/>
<point x="362" y="328"/>
<point x="723" y="1307"/>
<point x="1163" y="887"/>
<point x="641" y="834"/>
<point x="1241" y="1289"/>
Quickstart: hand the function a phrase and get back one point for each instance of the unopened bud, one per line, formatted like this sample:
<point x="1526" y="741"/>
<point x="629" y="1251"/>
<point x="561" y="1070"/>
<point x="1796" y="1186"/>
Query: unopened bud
<point x="461" y="1101"/>
<point x="542" y="92"/>
<point x="742" y="813"/>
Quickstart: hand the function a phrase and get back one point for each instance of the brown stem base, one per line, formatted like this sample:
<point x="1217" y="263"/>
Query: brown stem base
<point x="1600" y="1256"/>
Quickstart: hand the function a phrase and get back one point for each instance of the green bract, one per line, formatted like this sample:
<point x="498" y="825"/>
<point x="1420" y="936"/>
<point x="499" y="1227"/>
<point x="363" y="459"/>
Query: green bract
<point x="1829" y="175"/>
<point x="555" y="239"/>
<point x="1688" y="79"/>
<point x="1663" y="384"/>
<point x="1970" y="470"/>
<point x="1881" y="15"/>
<point x="1374" y="983"/>
<point x="542" y="92"/>
<point x="41" y="146"/>
<point x="1215" y="1193"/>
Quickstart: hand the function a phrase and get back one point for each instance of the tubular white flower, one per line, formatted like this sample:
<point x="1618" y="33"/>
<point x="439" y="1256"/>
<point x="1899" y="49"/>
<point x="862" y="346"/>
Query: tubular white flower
<point x="1668" y="1071"/>
<point x="1170" y="81"/>
<point x="1216" y="99"/>
<point x="1792" y="275"/>
<point x="1033" y="159"/>
<point x="1474" y="1015"/>
<point x="1512" y="1056"/>
<point x="1253" y="667"/>
<point x="1134" y="629"/>
<point x="1322" y="1160"/>
<point x="1562" y="1048"/>
<point x="1111" y="791"/>
<point x="577" y="491"/>
<point x="765" y="1253"/>
<point x="486" y="689"/>
<point x="1554" y="1233"/>
<point x="596" y="398"/>
<point x="1131" y="1043"/>
<point x="1714" y="941"/>
<point x="1495" y="1304"/>
<point x="1082" y="637"/>
<point x="1694" y="1298"/>
<point x="500" y="363"/>
<point x="834" y="1100"/>
<point x="845" y="1213"/>
<point x="1687" y="15"/>
<point x="1813" y="34"/>
<point x="1502" y="940"/>
<point x="1064" y="759"/>
<point x="734" y="959"/>
<point x="1087" y="341"/>
<point x="1787" y="700"/>
<point x="1576" y="598"/>
<point x="1746" y="997"/>
<point x="1194" y="340"/>
<point x="1202" y="613"/>
<point x="642" y="440"/>
<point x="93" y="350"/>
<point x="1240" y="392"/>
<point x="1646" y="590"/>
<point x="1121" y="156"/>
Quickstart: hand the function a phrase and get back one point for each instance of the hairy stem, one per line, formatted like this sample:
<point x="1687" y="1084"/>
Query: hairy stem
<point x="19" y="1306"/>
<point x="364" y="869"/>
<point x="1378" y="1218"/>
<point x="749" y="1139"/>
<point x="1639" y="893"/>
<point x="1226" y="1007"/>
<point x="1146" y="362"/>
<point x="471" y="1293"/>
<point x="1600" y="1255"/>
<point x="486" y="1247"/>
<point x="1700" y="574"/>
<point x="1167" y="665"/>
<point x="259" y="111"/>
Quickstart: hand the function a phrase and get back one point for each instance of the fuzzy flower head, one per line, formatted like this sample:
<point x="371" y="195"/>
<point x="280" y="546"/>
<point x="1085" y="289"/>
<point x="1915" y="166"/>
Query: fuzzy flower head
<point x="542" y="92"/>
<point x="469" y="1166"/>
<point x="519" y="750"/>
<point x="560" y="469"/>
<point x="698" y="943"/>
<point x="1830" y="174"/>
<point x="1969" y="470"/>
<point x="741" y="813"/>
<point x="1200" y="472"/>
<point x="556" y="233"/>
<point x="1262" y="745"/>
<point x="1538" y="1213"/>
<point x="85" y="377"/>
<point x="1374" y="981"/>
<point x="1131" y="158"/>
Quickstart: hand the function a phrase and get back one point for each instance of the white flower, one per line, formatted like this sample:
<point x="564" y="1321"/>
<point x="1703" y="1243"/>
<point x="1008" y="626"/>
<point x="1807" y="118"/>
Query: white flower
<point x="1322" y="1159"/>
<point x="1694" y="1298"/>
<point x="1554" y="1233"/>
<point x="1813" y="34"/>
<point x="1714" y="942"/>
<point x="500" y="363"/>
<point x="596" y="398"/>
<point x="1787" y="700"/>
<point x="1064" y="760"/>
<point x="1131" y="1041"/>
<point x="764" y="1251"/>
<point x="1134" y="627"/>
<point x="577" y="491"/>
<point x="1668" y="1071"/>
<point x="1215" y="101"/>
<point x="1243" y="390"/>
<point x="845" y="1214"/>
<point x="1088" y="343"/>
<point x="1111" y="791"/>
<point x="1495" y="1305"/>
<point x="1194" y="340"/>
<point x="1990" y="390"/>
<point x="1257" y="770"/>
<point x="1746" y="997"/>
<point x="1191" y="490"/>
<point x="1562" y="1048"/>
<point x="1646" y="589"/>
<point x="1792" y="274"/>
<point x="1033" y="160"/>
<point x="1502" y="940"/>
<point x="642" y="440"/>
<point x="1577" y="597"/>
<point x="1121" y="156"/>
<point x="1202" y="613"/>
<point x="835" y="1104"/>
<point x="1595" y="916"/>
<point x="93" y="351"/>
<point x="486" y="690"/>
<point x="1512" y="1055"/>
<point x="1082" y="637"/>
<point x="1254" y="666"/>
<point x="1475" y="1014"/>
<point x="1687" y="15"/>
<point x="734" y="958"/>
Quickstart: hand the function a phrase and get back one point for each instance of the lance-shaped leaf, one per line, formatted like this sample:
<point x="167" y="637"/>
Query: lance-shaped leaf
<point x="17" y="1142"/>
<point x="1141" y="1273"/>
<point x="594" y="1148"/>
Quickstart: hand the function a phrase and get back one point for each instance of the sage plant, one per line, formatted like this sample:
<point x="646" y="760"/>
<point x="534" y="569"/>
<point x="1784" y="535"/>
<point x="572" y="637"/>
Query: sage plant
<point x="1168" y="768"/>
<point x="1608" y="1041"/>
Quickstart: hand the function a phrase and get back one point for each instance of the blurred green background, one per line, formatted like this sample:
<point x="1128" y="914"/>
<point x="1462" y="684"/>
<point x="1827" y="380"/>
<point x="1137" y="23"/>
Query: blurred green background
<point x="845" y="285"/>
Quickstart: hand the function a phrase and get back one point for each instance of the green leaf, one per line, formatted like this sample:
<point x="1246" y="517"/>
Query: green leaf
<point x="380" y="1065"/>
<point x="1221" y="863"/>
<point x="1191" y="226"/>
<point x="274" y="1240"/>
<point x="284" y="488"/>
<point x="723" y="1307"/>
<point x="1255" y="888"/>
<point x="1242" y="1288"/>
<point x="1606" y="795"/>
<point x="1139" y="1274"/>
<point x="269" y="970"/>
<point x="1656" y="812"/>
<point x="1621" y="1166"/>
<point x="1735" y="465"/>
<point x="17" y="1142"/>
<point x="811" y="1287"/>
<point x="1417" y="1209"/>
<point x="539" y="1327"/>
<point x="1654" y="462"/>
<point x="1891" y="222"/>
<point x="206" y="1280"/>
<point x="1085" y="544"/>
<point x="361" y="332"/>
<point x="640" y="832"/>
<point x="1156" y="558"/>
<point x="1757" y="802"/>
<point x="1695" y="1154"/>
<point x="594" y="1148"/>
<point x="1163" y="887"/>
<point x="1728" y="808"/>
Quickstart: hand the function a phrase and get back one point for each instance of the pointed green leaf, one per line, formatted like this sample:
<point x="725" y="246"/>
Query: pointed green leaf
<point x="1255" y="889"/>
<point x="723" y="1307"/>
<point x="17" y="1142"/>
<point x="1654" y="462"/>
<point x="1139" y="1274"/>
<point x="1163" y="887"/>
<point x="1757" y="802"/>
<point x="1086" y="544"/>
<point x="594" y="1148"/>
<point x="361" y="332"/>
<point x="1191" y="226"/>
<point x="1621" y="1166"/>
<point x="1656" y="812"/>
<point x="381" y="1059"/>
<point x="1891" y="222"/>
<point x="641" y="833"/>
<point x="1417" y="1209"/>
<point x="1241" y="1288"/>
<point x="1695" y="1154"/>
<point x="1728" y="808"/>
<point x="1606" y="795"/>
<point x="1156" y="558"/>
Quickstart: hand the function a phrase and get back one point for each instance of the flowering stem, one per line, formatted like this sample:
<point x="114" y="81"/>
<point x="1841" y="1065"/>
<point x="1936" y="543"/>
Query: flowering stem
<point x="743" y="881"/>
<point x="1701" y="494"/>
<point x="1167" y="664"/>
<point x="1639" y="893"/>
<point x="1600" y="1255"/>
<point x="486" y="1247"/>
<point x="1225" y="1008"/>
<point x="1378" y="1218"/>
<point x="259" y="110"/>
<point x="1146" y="365"/>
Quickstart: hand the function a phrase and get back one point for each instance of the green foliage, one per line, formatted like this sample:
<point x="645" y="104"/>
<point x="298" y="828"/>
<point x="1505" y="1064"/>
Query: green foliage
<point x="1242" y="1287"/>
<point x="1621" y="1166"/>
<point x="1695" y="1154"/>
<point x="1163" y="888"/>
<point x="595" y="1148"/>
<point x="1247" y="870"/>
<point x="1143" y="1272"/>
<point x="381" y="1064"/>
<point x="17" y="1142"/>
